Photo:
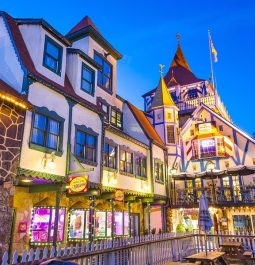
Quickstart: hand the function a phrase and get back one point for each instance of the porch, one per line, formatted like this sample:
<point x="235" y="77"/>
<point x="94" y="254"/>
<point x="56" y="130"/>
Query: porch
<point x="158" y="249"/>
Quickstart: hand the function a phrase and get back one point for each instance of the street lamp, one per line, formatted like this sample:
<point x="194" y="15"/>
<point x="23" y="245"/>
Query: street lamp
<point x="172" y="171"/>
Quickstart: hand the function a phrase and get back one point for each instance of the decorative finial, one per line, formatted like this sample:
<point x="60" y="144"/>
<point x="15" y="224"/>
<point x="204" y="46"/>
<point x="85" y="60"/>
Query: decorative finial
<point x="161" y="66"/>
<point x="178" y="37"/>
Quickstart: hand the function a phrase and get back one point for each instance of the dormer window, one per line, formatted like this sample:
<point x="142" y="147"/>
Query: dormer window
<point x="52" y="58"/>
<point x="87" y="79"/>
<point x="104" y="74"/>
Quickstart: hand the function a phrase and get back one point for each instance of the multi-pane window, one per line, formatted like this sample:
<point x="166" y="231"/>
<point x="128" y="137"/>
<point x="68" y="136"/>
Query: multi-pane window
<point x="140" y="166"/>
<point x="104" y="74"/>
<point x="52" y="58"/>
<point x="192" y="93"/>
<point x="207" y="148"/>
<point x="159" y="171"/>
<point x="170" y="134"/>
<point x="104" y="108"/>
<point x="46" y="132"/>
<point x="220" y="147"/>
<point x="126" y="161"/>
<point x="85" y="147"/>
<point x="87" y="79"/>
<point x="110" y="156"/>
<point x="116" y="118"/>
<point x="236" y="188"/>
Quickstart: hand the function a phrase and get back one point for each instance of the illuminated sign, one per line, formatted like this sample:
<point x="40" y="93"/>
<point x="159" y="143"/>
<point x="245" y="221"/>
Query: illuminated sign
<point x="208" y="143"/>
<point x="78" y="184"/>
<point x="205" y="127"/>
<point x="119" y="195"/>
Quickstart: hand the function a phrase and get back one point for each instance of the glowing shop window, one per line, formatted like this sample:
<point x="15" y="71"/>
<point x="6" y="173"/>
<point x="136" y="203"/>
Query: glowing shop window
<point x="126" y="223"/>
<point x="109" y="224"/>
<point x="207" y="148"/>
<point x="100" y="224"/>
<point x="76" y="226"/>
<point x="42" y="227"/>
<point x="118" y="218"/>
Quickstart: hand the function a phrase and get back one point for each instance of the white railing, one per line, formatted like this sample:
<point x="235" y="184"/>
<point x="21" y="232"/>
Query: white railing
<point x="144" y="250"/>
<point x="157" y="249"/>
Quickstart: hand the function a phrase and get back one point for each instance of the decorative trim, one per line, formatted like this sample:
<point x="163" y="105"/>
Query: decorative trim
<point x="110" y="142"/>
<point x="86" y="129"/>
<point x="126" y="173"/>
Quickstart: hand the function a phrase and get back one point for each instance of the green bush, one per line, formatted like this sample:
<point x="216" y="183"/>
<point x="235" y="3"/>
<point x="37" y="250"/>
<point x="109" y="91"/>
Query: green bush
<point x="180" y="228"/>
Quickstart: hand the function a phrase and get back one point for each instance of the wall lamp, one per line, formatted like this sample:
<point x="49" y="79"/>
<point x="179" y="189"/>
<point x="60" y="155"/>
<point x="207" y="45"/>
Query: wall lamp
<point x="48" y="161"/>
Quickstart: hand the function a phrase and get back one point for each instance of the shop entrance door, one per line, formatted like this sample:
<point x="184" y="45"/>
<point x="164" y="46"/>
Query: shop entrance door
<point x="135" y="224"/>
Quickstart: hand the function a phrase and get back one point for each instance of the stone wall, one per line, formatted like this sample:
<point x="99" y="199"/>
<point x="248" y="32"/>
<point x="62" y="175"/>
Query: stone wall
<point x="11" y="129"/>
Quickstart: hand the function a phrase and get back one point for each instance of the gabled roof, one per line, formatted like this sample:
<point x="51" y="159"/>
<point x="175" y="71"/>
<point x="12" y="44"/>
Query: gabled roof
<point x="162" y="96"/>
<point x="45" y="25"/>
<point x="27" y="62"/>
<point x="148" y="129"/>
<point x="179" y="72"/>
<point x="218" y="116"/>
<point x="86" y="27"/>
<point x="84" y="23"/>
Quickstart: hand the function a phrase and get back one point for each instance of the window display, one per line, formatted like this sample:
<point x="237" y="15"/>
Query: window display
<point x="118" y="219"/>
<point x="100" y="224"/>
<point x="42" y="227"/>
<point x="78" y="224"/>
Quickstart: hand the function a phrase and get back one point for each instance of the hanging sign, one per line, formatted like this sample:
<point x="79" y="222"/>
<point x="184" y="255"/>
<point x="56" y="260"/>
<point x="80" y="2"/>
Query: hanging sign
<point x="78" y="184"/>
<point x="205" y="127"/>
<point x="119" y="196"/>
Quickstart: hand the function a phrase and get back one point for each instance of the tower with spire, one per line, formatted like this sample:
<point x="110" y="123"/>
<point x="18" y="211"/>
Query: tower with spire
<point x="164" y="113"/>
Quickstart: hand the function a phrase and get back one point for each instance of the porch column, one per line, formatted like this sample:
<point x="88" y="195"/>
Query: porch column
<point x="55" y="231"/>
<point x="113" y="220"/>
<point x="129" y="216"/>
<point x="91" y="219"/>
<point x="149" y="217"/>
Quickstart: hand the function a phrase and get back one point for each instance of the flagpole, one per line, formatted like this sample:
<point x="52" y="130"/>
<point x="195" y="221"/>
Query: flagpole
<point x="211" y="63"/>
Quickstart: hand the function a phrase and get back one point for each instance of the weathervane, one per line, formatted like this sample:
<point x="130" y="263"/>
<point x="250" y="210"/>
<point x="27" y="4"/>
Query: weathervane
<point x="161" y="66"/>
<point x="178" y="37"/>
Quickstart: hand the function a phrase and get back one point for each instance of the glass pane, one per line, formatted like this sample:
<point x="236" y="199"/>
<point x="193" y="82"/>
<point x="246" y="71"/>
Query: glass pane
<point x="100" y="224"/>
<point x="76" y="226"/>
<point x="126" y="223"/>
<point x="107" y="69"/>
<point x="61" y="224"/>
<point x="79" y="150"/>
<point x="90" y="140"/>
<point x="39" y="121"/>
<point x="52" y="141"/>
<point x="87" y="74"/>
<point x="53" y="126"/>
<point x="37" y="137"/>
<point x="80" y="138"/>
<point x="99" y="78"/>
<point x="51" y="62"/>
<point x="52" y="50"/>
<point x="40" y="225"/>
<point x="90" y="155"/>
<point x="106" y="82"/>
<point x="118" y="219"/>
<point x="129" y="157"/>
<point x="98" y="59"/>
<point x="122" y="155"/>
<point x="86" y="86"/>
<point x="109" y="224"/>
<point x="87" y="224"/>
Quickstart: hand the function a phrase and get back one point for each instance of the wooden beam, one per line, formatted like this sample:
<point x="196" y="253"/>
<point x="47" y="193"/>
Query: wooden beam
<point x="44" y="188"/>
<point x="148" y="199"/>
<point x="90" y="192"/>
<point x="130" y="198"/>
<point x="106" y="196"/>
<point x="159" y="201"/>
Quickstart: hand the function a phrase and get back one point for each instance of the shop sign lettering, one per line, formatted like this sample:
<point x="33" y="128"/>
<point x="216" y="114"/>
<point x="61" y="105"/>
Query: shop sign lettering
<point x="78" y="184"/>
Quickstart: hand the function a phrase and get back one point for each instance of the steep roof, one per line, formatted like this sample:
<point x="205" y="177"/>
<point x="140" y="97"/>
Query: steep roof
<point x="179" y="72"/>
<point x="148" y="129"/>
<point x="162" y="96"/>
<point x="84" y="23"/>
<point x="27" y="62"/>
<point x="86" y="27"/>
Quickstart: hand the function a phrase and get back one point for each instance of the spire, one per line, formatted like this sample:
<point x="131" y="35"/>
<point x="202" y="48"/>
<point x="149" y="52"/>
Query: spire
<point x="179" y="59"/>
<point x="162" y="96"/>
<point x="84" y="23"/>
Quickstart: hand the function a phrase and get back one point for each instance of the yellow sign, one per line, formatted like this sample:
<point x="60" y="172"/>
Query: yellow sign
<point x="119" y="196"/>
<point x="205" y="127"/>
<point x="78" y="184"/>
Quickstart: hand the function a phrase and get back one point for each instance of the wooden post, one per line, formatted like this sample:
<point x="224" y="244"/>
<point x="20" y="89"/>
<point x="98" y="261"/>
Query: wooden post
<point x="55" y="231"/>
<point x="149" y="217"/>
<point x="113" y="220"/>
<point x="91" y="219"/>
<point x="129" y="216"/>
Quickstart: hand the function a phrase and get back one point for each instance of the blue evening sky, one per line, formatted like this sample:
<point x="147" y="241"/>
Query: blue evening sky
<point x="144" y="32"/>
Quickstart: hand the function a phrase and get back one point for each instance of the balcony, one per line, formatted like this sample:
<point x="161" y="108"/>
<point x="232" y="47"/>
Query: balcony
<point x="220" y="196"/>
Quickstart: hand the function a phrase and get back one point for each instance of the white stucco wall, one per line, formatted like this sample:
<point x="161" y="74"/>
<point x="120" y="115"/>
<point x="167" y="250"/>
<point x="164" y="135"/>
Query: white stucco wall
<point x="10" y="70"/>
<point x="34" y="37"/>
<point x="42" y="96"/>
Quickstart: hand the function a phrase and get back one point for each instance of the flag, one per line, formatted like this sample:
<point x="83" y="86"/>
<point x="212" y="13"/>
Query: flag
<point x="213" y="51"/>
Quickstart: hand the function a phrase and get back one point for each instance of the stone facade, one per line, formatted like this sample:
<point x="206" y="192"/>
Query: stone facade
<point x="11" y="128"/>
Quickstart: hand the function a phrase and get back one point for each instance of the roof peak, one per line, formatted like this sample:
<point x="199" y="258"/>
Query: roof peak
<point x="179" y="58"/>
<point x="162" y="96"/>
<point x="84" y="23"/>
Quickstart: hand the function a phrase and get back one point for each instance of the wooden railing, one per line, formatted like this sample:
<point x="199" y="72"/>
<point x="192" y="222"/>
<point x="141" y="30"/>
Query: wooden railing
<point x="157" y="249"/>
<point x="241" y="195"/>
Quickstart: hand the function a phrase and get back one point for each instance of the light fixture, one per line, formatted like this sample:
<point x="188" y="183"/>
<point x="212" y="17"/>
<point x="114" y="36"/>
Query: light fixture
<point x="26" y="180"/>
<point x="145" y="186"/>
<point x="112" y="179"/>
<point x="48" y="161"/>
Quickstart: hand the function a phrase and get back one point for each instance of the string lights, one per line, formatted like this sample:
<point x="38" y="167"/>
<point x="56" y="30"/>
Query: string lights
<point x="13" y="101"/>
